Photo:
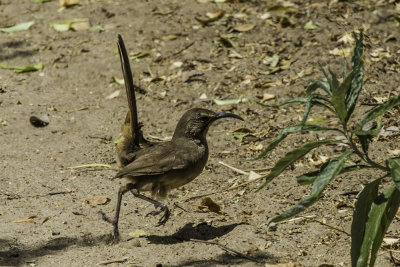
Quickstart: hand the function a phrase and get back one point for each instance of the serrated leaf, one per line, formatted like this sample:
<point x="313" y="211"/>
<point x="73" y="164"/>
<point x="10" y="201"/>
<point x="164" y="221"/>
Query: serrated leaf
<point x="394" y="165"/>
<point x="291" y="157"/>
<point x="327" y="173"/>
<point x="379" y="110"/>
<point x="18" y="27"/>
<point x="381" y="214"/>
<point x="360" y="217"/>
<point x="289" y="130"/>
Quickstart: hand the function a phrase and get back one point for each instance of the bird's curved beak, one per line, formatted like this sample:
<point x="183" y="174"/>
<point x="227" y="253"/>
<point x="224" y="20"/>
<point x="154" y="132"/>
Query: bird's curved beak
<point x="223" y="114"/>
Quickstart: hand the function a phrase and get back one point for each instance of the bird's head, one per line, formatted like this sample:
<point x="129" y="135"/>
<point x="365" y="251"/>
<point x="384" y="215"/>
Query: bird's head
<point x="196" y="122"/>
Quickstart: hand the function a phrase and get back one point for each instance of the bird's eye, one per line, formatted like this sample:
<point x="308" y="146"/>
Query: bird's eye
<point x="204" y="118"/>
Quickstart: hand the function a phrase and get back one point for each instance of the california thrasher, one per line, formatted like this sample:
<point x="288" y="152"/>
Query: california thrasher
<point x="160" y="167"/>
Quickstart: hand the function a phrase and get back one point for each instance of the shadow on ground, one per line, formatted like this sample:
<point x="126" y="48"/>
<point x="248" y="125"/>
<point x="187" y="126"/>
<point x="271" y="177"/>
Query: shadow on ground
<point x="14" y="254"/>
<point x="201" y="231"/>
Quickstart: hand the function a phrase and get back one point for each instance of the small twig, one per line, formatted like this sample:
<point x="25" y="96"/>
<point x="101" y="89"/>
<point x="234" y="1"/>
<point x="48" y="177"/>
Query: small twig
<point x="178" y="206"/>
<point x="301" y="218"/>
<point x="113" y="261"/>
<point x="90" y="166"/>
<point x="224" y="248"/>
<point x="53" y="193"/>
<point x="233" y="168"/>
<point x="223" y="190"/>
<point x="330" y="226"/>
<point x="74" y="110"/>
<point x="183" y="49"/>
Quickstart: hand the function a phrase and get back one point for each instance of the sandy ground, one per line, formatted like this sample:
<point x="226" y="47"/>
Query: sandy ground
<point x="169" y="43"/>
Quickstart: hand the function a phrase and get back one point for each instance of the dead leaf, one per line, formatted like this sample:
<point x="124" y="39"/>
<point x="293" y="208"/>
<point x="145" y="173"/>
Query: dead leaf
<point x="286" y="264"/>
<point x="138" y="233"/>
<point x="98" y="200"/>
<point x="212" y="16"/>
<point x="253" y="175"/>
<point x="207" y="202"/>
<point x="268" y="96"/>
<point x="26" y="220"/>
<point x="394" y="152"/>
<point x="80" y="26"/>
<point x="46" y="219"/>
<point x="114" y="94"/>
<point x="68" y="3"/>
<point x="244" y="27"/>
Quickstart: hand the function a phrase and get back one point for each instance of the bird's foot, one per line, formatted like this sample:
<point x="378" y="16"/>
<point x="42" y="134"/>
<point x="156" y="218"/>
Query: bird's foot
<point x="164" y="218"/>
<point x="115" y="234"/>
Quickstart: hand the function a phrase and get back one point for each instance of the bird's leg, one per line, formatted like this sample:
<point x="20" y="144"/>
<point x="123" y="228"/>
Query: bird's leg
<point x="163" y="208"/>
<point x="122" y="190"/>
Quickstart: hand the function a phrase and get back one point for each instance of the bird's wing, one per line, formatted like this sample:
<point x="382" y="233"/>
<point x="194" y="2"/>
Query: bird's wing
<point x="156" y="160"/>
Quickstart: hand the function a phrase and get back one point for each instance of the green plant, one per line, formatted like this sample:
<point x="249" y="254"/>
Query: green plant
<point x="374" y="210"/>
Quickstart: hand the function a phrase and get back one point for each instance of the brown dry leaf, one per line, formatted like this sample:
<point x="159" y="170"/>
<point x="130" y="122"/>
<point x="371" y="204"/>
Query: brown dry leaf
<point x="68" y="3"/>
<point x="244" y="27"/>
<point x="317" y="160"/>
<point x="286" y="264"/>
<point x="212" y="16"/>
<point x="46" y="219"/>
<point x="98" y="200"/>
<point x="26" y="220"/>
<point x="207" y="202"/>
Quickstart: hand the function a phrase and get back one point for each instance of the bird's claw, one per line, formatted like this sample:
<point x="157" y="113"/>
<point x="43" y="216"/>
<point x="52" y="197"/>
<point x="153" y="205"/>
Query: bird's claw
<point x="164" y="218"/>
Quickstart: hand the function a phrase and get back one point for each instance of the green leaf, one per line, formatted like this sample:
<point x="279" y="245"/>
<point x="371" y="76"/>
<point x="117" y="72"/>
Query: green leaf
<point x="18" y="27"/>
<point x="379" y="110"/>
<point x="289" y="130"/>
<point x="291" y="157"/>
<point x="339" y="95"/>
<point x="310" y="26"/>
<point x="356" y="83"/>
<point x="394" y="165"/>
<point x="380" y="216"/>
<point x="327" y="173"/>
<point x="36" y="67"/>
<point x="360" y="217"/>
<point x="315" y="84"/>
<point x="309" y="178"/>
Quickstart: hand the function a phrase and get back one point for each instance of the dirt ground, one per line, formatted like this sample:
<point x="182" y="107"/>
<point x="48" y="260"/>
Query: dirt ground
<point x="184" y="54"/>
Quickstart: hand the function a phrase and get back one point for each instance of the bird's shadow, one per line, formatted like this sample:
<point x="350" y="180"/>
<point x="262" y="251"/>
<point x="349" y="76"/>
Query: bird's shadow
<point x="202" y="231"/>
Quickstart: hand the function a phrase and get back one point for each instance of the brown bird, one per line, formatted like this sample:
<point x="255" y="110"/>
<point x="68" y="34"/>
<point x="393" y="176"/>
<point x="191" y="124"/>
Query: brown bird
<point x="160" y="167"/>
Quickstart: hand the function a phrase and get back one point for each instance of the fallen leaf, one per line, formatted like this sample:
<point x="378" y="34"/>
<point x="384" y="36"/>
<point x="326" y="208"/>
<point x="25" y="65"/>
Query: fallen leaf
<point x="118" y="81"/>
<point x="268" y="96"/>
<point x="68" y="3"/>
<point x="229" y="101"/>
<point x="310" y="26"/>
<point x="45" y="219"/>
<point x="253" y="175"/>
<point x="66" y="25"/>
<point x="210" y="204"/>
<point x="211" y="17"/>
<point x="80" y="26"/>
<point x="18" y="27"/>
<point x="114" y="94"/>
<point x="138" y="233"/>
<point x="98" y="200"/>
<point x="36" y="67"/>
<point x="244" y="27"/>
<point x="394" y="152"/>
<point x="26" y="220"/>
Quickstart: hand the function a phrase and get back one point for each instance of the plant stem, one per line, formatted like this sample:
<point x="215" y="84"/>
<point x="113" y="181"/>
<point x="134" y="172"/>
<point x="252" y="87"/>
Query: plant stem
<point x="363" y="156"/>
